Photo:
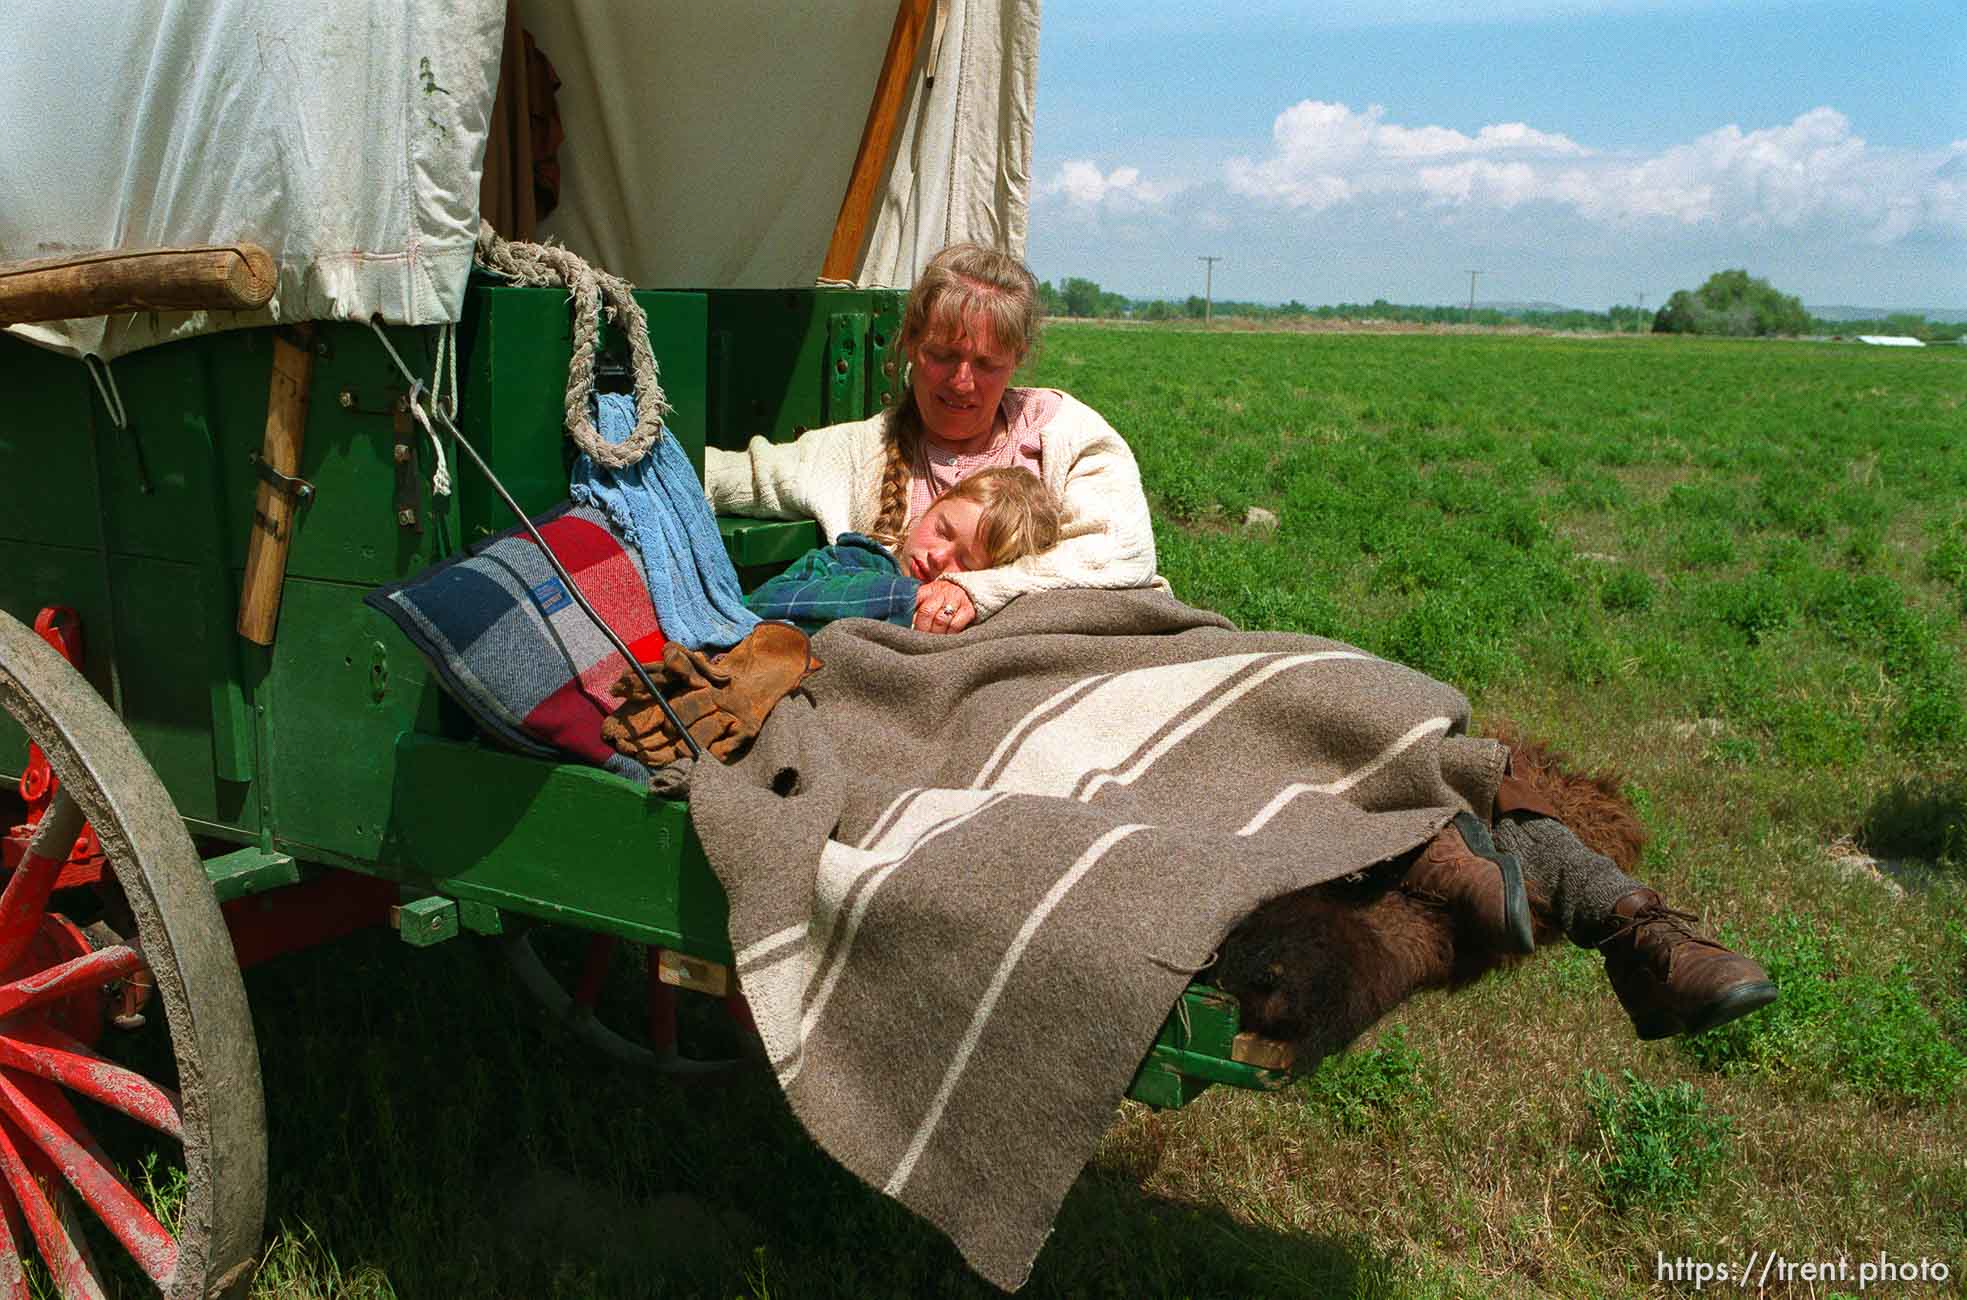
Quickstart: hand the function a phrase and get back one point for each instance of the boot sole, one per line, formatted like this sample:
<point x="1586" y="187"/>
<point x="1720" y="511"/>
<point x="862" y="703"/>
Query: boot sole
<point x="1732" y="1005"/>
<point x="1516" y="897"/>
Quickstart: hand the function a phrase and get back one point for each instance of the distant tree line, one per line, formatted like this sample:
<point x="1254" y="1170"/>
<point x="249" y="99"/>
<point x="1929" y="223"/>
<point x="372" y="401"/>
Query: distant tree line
<point x="1735" y="303"/>
<point x="1731" y="302"/>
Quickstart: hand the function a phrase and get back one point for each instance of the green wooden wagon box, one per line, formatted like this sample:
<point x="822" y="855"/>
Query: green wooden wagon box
<point x="273" y="797"/>
<point x="179" y="800"/>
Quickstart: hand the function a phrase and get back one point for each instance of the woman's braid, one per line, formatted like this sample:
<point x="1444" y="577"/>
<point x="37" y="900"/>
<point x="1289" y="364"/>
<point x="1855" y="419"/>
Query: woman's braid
<point x="895" y="485"/>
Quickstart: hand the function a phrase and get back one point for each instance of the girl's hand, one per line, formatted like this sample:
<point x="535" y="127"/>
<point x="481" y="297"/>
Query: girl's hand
<point x="942" y="606"/>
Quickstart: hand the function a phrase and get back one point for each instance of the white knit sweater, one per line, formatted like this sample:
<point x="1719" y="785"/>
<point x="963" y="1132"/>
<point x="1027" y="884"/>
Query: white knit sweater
<point x="833" y="475"/>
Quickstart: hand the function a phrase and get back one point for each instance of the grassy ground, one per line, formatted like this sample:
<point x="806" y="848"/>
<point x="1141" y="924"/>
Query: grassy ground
<point x="1735" y="572"/>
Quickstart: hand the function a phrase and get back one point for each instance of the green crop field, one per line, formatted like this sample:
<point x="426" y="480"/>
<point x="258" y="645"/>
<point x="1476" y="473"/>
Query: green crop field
<point x="1735" y="572"/>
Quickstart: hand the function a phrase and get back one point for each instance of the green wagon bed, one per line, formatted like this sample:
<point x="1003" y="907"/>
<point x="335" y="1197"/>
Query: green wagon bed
<point x="325" y="782"/>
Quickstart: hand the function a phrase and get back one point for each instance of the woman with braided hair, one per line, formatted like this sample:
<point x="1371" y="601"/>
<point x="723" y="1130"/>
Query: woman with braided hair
<point x="972" y="317"/>
<point x="1321" y="965"/>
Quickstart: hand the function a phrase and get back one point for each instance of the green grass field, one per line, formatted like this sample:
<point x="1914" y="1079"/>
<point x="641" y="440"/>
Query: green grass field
<point x="1735" y="572"/>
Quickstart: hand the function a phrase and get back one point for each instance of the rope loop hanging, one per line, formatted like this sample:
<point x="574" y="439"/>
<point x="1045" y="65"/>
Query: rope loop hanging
<point x="111" y="397"/>
<point x="413" y="401"/>
<point x="553" y="266"/>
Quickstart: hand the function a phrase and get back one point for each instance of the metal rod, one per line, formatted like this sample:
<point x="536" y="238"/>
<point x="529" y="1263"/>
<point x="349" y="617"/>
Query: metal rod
<point x="573" y="588"/>
<point x="443" y="417"/>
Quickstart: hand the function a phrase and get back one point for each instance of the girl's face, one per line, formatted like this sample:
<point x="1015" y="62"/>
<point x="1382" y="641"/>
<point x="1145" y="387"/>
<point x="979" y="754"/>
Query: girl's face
<point x="944" y="540"/>
<point x="958" y="382"/>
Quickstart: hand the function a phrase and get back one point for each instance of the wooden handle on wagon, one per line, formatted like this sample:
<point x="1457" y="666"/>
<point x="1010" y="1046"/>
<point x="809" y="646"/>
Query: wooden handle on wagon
<point x="231" y="277"/>
<point x="280" y="492"/>
<point x="850" y="228"/>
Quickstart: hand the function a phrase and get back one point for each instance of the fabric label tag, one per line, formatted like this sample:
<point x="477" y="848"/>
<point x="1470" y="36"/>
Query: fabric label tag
<point x="551" y="596"/>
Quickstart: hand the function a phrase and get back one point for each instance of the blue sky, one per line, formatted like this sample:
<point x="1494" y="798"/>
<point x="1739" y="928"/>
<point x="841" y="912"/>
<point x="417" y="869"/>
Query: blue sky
<point x="1574" y="152"/>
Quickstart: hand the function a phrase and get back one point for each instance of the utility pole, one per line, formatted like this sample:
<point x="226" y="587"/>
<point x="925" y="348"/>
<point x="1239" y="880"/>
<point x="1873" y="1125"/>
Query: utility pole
<point x="1208" y="286"/>
<point x="1471" y="296"/>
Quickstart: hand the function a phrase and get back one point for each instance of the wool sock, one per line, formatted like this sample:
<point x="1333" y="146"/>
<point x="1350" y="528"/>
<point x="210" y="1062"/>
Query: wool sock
<point x="1581" y="885"/>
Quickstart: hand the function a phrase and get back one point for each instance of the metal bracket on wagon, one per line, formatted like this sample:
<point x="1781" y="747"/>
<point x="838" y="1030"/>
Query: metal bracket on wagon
<point x="1203" y="1043"/>
<point x="292" y="484"/>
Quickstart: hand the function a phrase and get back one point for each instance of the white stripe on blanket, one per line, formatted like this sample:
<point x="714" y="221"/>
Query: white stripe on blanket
<point x="1112" y="734"/>
<point x="753" y="951"/>
<point x="773" y="992"/>
<point x="880" y="826"/>
<point x="1015" y="736"/>
<point x="1053" y="897"/>
<point x="849" y="878"/>
<point x="1346" y="782"/>
<point x="1201" y="718"/>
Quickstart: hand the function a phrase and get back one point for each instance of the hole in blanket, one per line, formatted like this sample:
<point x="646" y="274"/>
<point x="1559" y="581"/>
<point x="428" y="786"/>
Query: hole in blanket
<point x="785" y="782"/>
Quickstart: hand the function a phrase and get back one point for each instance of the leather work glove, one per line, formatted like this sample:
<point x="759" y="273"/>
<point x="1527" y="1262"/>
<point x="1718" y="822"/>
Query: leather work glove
<point x="722" y="699"/>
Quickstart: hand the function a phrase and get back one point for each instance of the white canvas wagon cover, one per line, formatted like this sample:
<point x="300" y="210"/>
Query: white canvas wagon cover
<point x="707" y="145"/>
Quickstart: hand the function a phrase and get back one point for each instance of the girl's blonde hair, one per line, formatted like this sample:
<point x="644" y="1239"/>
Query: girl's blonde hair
<point x="961" y="284"/>
<point x="1019" y="515"/>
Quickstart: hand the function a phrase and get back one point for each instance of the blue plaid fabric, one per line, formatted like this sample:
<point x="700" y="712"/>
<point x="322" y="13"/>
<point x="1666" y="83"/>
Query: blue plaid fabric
<point x="853" y="578"/>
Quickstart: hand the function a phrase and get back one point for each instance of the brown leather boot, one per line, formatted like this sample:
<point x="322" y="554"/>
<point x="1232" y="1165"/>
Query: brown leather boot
<point x="1671" y="980"/>
<point x="1461" y="869"/>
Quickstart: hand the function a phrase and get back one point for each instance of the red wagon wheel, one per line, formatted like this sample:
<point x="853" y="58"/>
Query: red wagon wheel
<point x="54" y="1177"/>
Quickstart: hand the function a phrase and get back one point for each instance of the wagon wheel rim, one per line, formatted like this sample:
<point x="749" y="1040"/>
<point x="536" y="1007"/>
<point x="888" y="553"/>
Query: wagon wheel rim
<point x="219" y="1112"/>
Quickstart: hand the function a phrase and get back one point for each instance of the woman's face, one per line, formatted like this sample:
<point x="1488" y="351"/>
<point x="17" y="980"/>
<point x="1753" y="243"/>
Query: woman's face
<point x="959" y="381"/>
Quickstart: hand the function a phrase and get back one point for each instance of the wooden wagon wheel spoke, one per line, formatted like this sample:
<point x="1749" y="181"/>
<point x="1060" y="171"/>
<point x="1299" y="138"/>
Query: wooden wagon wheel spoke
<point x="13" y="1278"/>
<point x="594" y="972"/>
<point x="72" y="1221"/>
<point x="52" y="996"/>
<point x="58" y="1132"/>
<point x="33" y="1191"/>
<point x="91" y="970"/>
<point x="50" y="1054"/>
<point x="25" y="899"/>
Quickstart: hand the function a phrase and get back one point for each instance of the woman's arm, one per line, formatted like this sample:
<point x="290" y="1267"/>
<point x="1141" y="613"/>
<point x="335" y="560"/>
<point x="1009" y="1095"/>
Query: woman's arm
<point x="1108" y="537"/>
<point x="830" y="474"/>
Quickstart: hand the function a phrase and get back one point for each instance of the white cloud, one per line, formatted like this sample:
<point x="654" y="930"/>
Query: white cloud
<point x="1502" y="185"/>
<point x="1082" y="184"/>
<point x="1436" y="141"/>
<point x="1814" y="171"/>
<point x="1326" y="154"/>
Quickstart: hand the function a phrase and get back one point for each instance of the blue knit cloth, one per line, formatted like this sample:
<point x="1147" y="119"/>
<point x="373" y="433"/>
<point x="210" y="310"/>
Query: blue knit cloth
<point x="659" y="509"/>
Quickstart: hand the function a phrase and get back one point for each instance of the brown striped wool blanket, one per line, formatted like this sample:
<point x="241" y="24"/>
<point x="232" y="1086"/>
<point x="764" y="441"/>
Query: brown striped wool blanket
<point x="970" y="875"/>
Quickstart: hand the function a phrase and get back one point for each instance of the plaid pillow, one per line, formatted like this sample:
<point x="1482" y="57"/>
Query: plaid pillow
<point x="513" y="647"/>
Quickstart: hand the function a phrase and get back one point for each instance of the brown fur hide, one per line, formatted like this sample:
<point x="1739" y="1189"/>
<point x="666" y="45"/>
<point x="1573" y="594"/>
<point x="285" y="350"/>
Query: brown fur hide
<point x="1319" y="967"/>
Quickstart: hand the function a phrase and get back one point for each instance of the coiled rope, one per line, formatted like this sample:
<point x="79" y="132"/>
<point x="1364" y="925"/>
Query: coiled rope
<point x="552" y="266"/>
